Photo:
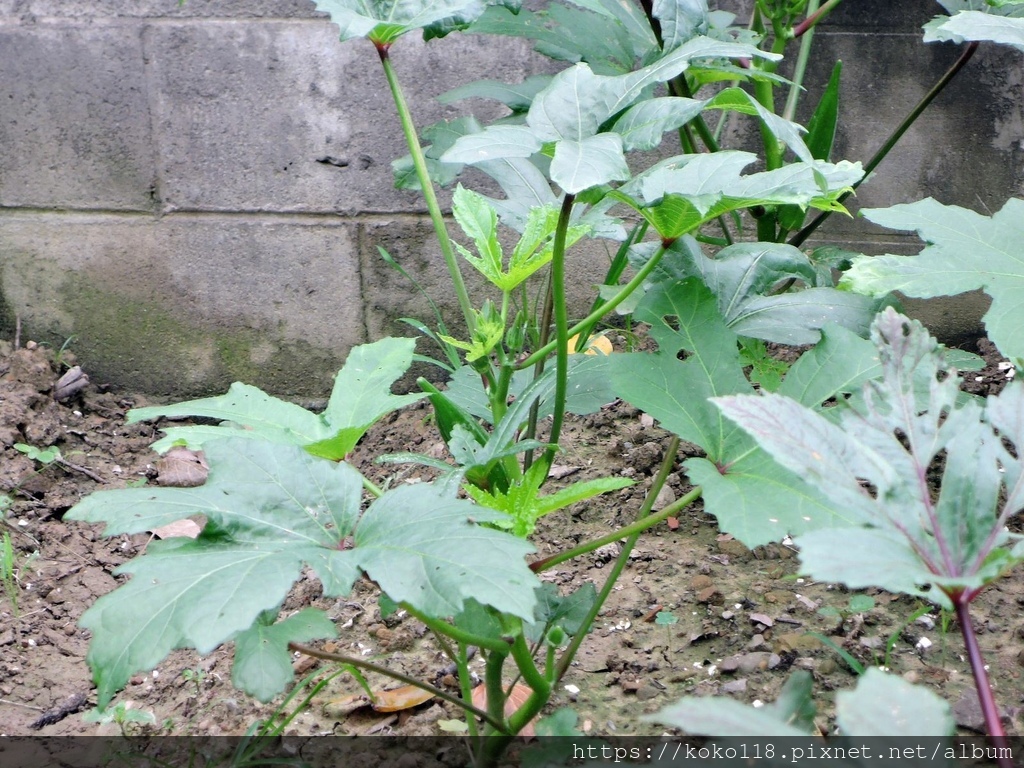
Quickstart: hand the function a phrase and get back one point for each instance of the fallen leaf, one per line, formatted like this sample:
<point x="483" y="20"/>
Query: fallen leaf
<point x="346" y="705"/>
<point x="182" y="468"/>
<point x="180" y="528"/>
<point x="397" y="699"/>
<point x="520" y="693"/>
<point x="558" y="471"/>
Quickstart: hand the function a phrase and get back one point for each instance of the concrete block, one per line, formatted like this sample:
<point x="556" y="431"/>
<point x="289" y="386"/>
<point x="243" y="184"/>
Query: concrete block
<point x="187" y="304"/>
<point x="966" y="149"/>
<point x="75" y="122"/>
<point x="93" y="9"/>
<point x="244" y="111"/>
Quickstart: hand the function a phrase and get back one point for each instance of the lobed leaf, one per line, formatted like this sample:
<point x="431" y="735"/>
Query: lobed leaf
<point x="966" y="251"/>
<point x="886" y="705"/>
<point x="753" y="497"/>
<point x="360" y="397"/>
<point x="263" y="663"/>
<point x="384" y="21"/>
<point x="874" y="458"/>
<point x="270" y="509"/>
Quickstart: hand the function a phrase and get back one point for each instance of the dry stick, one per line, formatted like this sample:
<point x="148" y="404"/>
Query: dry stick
<point x="78" y="468"/>
<point x="399" y="676"/>
<point x="798" y="239"/>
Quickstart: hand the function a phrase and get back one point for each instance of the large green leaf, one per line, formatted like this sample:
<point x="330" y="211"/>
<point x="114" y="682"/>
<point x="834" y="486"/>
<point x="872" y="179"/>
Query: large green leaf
<point x="572" y="109"/>
<point x="978" y="26"/>
<point x="595" y="160"/>
<point x="679" y="194"/>
<point x="384" y="21"/>
<point x="270" y="509"/>
<point x="741" y="276"/>
<point x="681" y="20"/>
<point x="886" y="705"/>
<point x="966" y="251"/>
<point x="263" y="663"/>
<point x="360" y="397"/>
<point x="684" y="320"/>
<point x="872" y="459"/>
<point x="753" y="497"/>
<point x="643" y="125"/>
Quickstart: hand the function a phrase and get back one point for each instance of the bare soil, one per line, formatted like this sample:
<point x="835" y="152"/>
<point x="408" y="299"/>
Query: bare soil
<point x="745" y="617"/>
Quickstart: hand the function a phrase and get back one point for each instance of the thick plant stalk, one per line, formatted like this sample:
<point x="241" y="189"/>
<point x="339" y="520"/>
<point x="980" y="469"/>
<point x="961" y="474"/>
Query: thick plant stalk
<point x="989" y="708"/>
<point x="789" y="111"/>
<point x="561" y="313"/>
<point x="429" y="196"/>
<point x="798" y="239"/>
<point x="601" y="311"/>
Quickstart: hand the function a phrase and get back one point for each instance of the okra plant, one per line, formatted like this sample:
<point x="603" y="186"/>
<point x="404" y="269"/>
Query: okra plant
<point x="710" y="247"/>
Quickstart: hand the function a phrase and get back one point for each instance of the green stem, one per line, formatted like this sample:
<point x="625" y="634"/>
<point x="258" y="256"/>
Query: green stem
<point x="800" y="237"/>
<point x="462" y="662"/>
<point x="429" y="196"/>
<point x="561" y="313"/>
<point x="602" y="310"/>
<point x="764" y="92"/>
<point x="394" y="675"/>
<point x="459" y="635"/>
<point x="639" y="526"/>
<point x="531" y="675"/>
<point x="789" y="111"/>
<point x="375" y="490"/>
<point x="495" y="690"/>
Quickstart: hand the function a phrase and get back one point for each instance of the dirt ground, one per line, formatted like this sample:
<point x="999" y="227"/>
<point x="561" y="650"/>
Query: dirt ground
<point x="745" y="618"/>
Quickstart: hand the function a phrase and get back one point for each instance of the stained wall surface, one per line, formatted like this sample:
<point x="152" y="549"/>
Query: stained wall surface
<point x="197" y="192"/>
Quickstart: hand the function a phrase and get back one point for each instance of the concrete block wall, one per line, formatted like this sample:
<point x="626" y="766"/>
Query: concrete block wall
<point x="161" y="198"/>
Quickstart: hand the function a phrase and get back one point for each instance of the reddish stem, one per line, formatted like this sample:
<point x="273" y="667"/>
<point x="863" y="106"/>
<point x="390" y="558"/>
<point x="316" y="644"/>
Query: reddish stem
<point x="989" y="708"/>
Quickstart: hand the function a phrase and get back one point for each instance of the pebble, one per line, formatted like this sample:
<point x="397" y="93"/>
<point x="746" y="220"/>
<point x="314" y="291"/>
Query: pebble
<point x="646" y="692"/>
<point x="750" y="662"/>
<point x="735" y="686"/>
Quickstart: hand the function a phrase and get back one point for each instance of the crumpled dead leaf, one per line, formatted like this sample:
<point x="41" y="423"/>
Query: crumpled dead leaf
<point x="182" y="468"/>
<point x="186" y="528"/>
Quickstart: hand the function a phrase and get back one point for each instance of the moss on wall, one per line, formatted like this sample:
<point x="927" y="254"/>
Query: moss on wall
<point x="146" y="346"/>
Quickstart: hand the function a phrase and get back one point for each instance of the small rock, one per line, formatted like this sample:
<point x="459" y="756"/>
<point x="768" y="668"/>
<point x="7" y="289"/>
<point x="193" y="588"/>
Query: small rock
<point x="708" y="595"/>
<point x="700" y="582"/>
<point x="750" y="662"/>
<point x="755" y="642"/>
<point x="735" y="686"/>
<point x="630" y="686"/>
<point x="647" y="691"/>
<point x="967" y="711"/>
<point x="665" y="497"/>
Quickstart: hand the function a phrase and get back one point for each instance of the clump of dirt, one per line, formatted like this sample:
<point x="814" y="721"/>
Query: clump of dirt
<point x="694" y="612"/>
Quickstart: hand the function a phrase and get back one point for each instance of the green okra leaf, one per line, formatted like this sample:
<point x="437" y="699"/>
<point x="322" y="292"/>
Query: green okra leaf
<point x="873" y="459"/>
<point x="995" y="264"/>
<point x="269" y="510"/>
